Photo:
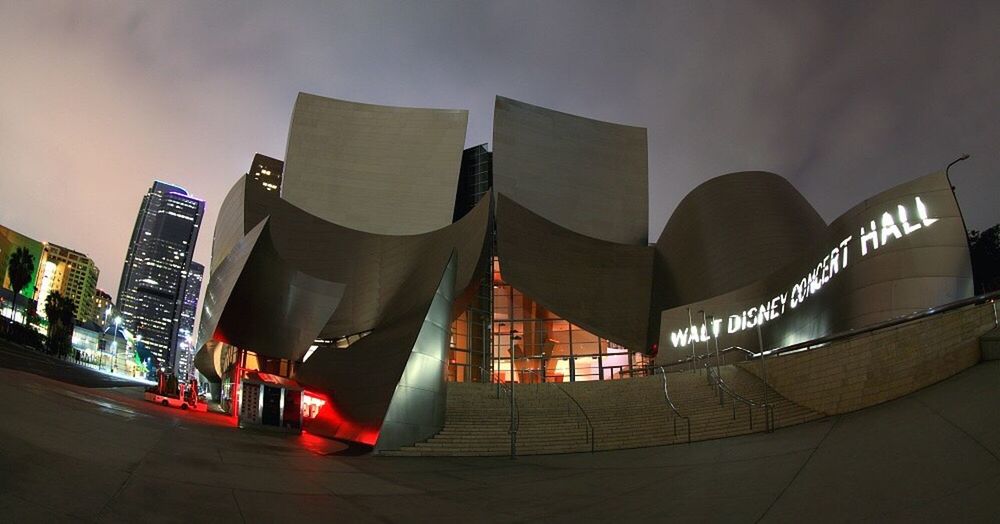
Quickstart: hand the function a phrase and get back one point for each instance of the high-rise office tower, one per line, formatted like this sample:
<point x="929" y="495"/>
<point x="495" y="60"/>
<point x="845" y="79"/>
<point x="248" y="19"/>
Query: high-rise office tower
<point x="475" y="179"/>
<point x="154" y="279"/>
<point x="72" y="274"/>
<point x="184" y="355"/>
<point x="267" y="171"/>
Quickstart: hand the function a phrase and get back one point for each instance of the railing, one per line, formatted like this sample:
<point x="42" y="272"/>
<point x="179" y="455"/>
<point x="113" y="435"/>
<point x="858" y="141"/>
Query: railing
<point x="515" y="415"/>
<point x="724" y="389"/>
<point x="951" y="306"/>
<point x="677" y="414"/>
<point x="992" y="298"/>
<point x="590" y="426"/>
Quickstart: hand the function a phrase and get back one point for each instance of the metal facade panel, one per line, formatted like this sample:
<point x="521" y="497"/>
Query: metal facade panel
<point x="585" y="175"/>
<point x="919" y="265"/>
<point x="416" y="411"/>
<point x="377" y="169"/>
<point x="730" y="231"/>
<point x="229" y="224"/>
<point x="600" y="286"/>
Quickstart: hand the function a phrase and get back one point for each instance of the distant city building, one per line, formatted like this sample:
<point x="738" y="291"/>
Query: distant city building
<point x="154" y="278"/>
<point x="475" y="178"/>
<point x="10" y="241"/>
<point x="184" y="354"/>
<point x="266" y="171"/>
<point x="104" y="308"/>
<point x="72" y="274"/>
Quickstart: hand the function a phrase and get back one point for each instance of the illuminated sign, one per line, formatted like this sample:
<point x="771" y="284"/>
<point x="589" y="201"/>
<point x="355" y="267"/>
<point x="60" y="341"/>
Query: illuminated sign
<point x="311" y="405"/>
<point x="893" y="224"/>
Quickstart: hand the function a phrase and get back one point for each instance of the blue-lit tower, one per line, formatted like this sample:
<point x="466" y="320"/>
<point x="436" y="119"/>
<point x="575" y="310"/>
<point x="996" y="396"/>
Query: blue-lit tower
<point x="155" y="277"/>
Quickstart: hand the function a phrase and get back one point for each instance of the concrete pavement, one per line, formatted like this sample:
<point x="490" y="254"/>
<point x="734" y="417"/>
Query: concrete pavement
<point x="70" y="453"/>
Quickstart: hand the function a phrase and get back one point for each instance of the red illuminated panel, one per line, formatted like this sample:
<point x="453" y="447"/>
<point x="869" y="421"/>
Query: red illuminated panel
<point x="327" y="420"/>
<point x="311" y="404"/>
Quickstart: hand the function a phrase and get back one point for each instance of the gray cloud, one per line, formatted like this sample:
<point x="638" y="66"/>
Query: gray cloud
<point x="844" y="98"/>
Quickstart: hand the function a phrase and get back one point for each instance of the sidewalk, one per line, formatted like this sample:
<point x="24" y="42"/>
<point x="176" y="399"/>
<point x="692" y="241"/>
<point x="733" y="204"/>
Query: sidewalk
<point x="21" y="358"/>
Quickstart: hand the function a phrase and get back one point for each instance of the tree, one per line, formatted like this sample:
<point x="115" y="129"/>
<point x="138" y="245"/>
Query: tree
<point x="19" y="269"/>
<point x="984" y="248"/>
<point x="60" y="311"/>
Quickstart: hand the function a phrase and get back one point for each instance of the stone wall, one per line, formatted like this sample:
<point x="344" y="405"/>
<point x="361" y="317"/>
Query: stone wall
<point x="882" y="365"/>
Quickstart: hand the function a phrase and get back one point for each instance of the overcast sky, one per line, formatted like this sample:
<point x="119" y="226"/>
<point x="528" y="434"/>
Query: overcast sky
<point x="98" y="99"/>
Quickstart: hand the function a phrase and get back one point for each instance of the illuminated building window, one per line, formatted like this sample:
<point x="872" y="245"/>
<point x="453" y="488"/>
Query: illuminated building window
<point x="547" y="348"/>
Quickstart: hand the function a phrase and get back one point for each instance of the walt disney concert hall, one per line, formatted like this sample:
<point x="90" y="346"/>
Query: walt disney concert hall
<point x="385" y="285"/>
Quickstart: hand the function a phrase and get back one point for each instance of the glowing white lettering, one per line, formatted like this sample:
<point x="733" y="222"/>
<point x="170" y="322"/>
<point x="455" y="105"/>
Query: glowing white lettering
<point x="871" y="238"/>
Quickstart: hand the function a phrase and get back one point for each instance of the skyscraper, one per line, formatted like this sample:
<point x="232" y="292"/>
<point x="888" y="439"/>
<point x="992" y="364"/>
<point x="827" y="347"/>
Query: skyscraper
<point x="184" y="355"/>
<point x="154" y="279"/>
<point x="266" y="171"/>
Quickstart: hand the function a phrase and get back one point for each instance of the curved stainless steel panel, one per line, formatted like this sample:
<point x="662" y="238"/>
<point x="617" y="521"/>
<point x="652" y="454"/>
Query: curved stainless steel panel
<point x="229" y="224"/>
<point x="377" y="169"/>
<point x="585" y="175"/>
<point x="364" y="376"/>
<point x="416" y="411"/>
<point x="898" y="252"/>
<point x="274" y="308"/>
<point x="730" y="231"/>
<point x="600" y="286"/>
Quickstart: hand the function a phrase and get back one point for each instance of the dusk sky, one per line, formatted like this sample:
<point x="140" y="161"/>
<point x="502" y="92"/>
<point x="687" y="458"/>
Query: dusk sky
<point x="98" y="99"/>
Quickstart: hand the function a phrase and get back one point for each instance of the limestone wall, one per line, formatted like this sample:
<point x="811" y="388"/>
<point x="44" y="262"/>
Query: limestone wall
<point x="882" y="365"/>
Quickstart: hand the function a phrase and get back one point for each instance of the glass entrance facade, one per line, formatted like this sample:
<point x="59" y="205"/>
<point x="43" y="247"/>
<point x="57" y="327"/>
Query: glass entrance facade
<point x="546" y="347"/>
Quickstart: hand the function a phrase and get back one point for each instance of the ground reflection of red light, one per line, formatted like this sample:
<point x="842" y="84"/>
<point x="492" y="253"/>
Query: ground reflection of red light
<point x="315" y="443"/>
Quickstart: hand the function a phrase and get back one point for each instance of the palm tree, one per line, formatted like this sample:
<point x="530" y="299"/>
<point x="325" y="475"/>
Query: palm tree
<point x="19" y="269"/>
<point x="60" y="311"/>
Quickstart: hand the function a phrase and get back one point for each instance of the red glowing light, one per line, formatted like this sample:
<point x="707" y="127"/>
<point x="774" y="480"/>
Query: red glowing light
<point x="311" y="404"/>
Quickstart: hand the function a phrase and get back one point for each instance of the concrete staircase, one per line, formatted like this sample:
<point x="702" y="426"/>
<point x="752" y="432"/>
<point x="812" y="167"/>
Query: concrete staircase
<point x="624" y="414"/>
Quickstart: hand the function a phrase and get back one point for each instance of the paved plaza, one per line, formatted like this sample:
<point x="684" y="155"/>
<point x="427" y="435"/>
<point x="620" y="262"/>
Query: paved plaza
<point x="74" y="453"/>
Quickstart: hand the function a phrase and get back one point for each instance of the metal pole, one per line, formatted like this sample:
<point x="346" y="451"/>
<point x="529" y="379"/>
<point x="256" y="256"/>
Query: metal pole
<point x="572" y="361"/>
<point x="510" y="330"/>
<point x="708" y="347"/>
<point x="691" y="339"/>
<point x="485" y="361"/>
<point x="763" y="368"/>
<point x="717" y="357"/>
<point x="961" y="215"/>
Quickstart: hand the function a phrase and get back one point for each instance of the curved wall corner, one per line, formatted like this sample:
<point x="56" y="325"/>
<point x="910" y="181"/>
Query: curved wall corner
<point x="392" y="298"/>
<point x="585" y="175"/>
<point x="416" y="411"/>
<point x="221" y="280"/>
<point x="730" y="231"/>
<point x="915" y="258"/>
<point x="229" y="224"/>
<point x="274" y="308"/>
<point x="376" y="169"/>
<point x="600" y="286"/>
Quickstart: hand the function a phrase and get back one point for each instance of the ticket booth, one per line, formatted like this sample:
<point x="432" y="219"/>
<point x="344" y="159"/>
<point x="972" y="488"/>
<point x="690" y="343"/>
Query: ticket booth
<point x="270" y="402"/>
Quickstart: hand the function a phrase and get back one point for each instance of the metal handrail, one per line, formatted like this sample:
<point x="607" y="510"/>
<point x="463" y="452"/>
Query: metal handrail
<point x="951" y="306"/>
<point x="677" y="414"/>
<point x="945" y="308"/>
<point x="590" y="426"/>
<point x="724" y="388"/>
<point x="515" y="416"/>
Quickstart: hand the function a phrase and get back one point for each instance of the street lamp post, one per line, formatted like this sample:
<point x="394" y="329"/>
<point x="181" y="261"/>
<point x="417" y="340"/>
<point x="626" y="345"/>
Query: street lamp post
<point x="114" y="337"/>
<point x="947" y="177"/>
